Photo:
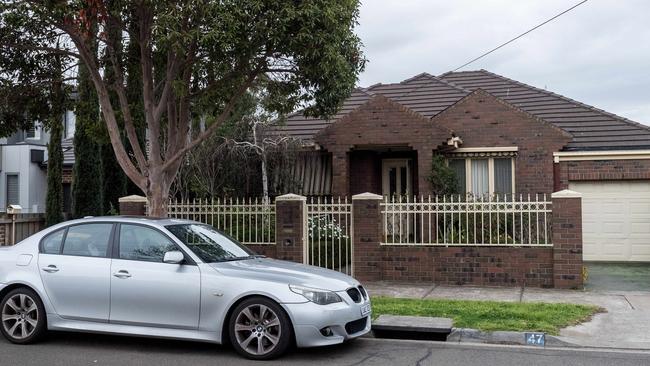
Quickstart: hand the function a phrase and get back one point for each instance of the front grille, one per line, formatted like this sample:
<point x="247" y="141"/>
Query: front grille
<point x="354" y="294"/>
<point x="356" y="326"/>
<point x="363" y="292"/>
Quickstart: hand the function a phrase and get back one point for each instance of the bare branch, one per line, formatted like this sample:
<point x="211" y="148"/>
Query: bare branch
<point x="53" y="50"/>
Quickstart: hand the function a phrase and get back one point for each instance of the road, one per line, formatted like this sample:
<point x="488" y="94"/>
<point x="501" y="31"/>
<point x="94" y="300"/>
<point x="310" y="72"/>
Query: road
<point x="71" y="349"/>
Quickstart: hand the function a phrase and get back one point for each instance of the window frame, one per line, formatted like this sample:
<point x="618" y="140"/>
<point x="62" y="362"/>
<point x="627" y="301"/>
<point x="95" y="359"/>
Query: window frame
<point x="37" y="132"/>
<point x="42" y="241"/>
<point x="7" y="175"/>
<point x="491" y="177"/>
<point x="111" y="240"/>
<point x="115" y="252"/>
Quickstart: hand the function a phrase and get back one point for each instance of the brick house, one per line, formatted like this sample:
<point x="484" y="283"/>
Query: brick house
<point x="500" y="136"/>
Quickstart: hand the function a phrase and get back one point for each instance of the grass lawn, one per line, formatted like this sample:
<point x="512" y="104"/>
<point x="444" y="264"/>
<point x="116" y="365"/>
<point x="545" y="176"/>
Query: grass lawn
<point x="490" y="315"/>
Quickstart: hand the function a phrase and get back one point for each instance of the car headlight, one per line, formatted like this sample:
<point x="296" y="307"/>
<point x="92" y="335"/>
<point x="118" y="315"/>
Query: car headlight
<point x="320" y="297"/>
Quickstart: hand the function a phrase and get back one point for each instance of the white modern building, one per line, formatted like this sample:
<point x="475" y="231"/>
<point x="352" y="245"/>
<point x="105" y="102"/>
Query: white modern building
<point x="23" y="173"/>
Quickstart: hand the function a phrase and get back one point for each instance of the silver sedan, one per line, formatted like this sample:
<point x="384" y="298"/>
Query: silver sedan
<point x="174" y="279"/>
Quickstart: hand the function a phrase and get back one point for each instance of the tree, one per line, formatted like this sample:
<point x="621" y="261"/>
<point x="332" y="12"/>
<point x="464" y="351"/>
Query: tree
<point x="196" y="60"/>
<point x="87" y="185"/>
<point x="54" y="197"/>
<point x="113" y="180"/>
<point x="443" y="180"/>
<point x="264" y="146"/>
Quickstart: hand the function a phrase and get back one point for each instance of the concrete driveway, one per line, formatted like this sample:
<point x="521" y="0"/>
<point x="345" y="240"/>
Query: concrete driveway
<point x="618" y="276"/>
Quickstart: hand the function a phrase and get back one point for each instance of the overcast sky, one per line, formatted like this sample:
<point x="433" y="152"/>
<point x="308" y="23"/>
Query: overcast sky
<point x="599" y="53"/>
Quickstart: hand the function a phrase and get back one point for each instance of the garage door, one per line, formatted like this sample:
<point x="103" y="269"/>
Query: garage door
<point x="616" y="220"/>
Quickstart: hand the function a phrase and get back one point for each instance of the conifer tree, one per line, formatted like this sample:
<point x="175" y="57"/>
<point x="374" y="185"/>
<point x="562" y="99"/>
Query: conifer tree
<point x="87" y="172"/>
<point x="54" y="200"/>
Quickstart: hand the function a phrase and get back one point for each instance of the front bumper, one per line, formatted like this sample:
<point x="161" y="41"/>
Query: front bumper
<point x="309" y="318"/>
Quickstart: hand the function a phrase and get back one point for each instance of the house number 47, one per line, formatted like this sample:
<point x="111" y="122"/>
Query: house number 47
<point x="535" y="339"/>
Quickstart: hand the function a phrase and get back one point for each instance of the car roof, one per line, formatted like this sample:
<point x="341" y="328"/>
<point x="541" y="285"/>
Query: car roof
<point x="153" y="221"/>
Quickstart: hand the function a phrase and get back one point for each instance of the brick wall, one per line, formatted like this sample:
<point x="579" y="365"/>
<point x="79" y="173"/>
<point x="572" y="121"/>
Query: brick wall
<point x="482" y="120"/>
<point x="493" y="266"/>
<point x="602" y="170"/>
<point x="66" y="175"/>
<point x="365" y="172"/>
<point x="559" y="266"/>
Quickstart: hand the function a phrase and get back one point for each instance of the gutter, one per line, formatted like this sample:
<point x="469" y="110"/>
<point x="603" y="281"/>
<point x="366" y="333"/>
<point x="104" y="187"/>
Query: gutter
<point x="601" y="155"/>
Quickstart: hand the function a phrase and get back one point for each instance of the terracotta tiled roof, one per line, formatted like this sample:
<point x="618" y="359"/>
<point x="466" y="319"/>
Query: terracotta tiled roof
<point x="424" y="94"/>
<point x="591" y="128"/>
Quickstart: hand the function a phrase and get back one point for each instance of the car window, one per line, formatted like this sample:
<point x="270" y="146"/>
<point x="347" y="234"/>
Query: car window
<point x="88" y="240"/>
<point x="143" y="244"/>
<point x="209" y="244"/>
<point x="52" y="243"/>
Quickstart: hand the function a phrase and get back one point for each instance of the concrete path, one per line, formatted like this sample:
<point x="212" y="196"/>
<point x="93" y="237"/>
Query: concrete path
<point x="624" y="325"/>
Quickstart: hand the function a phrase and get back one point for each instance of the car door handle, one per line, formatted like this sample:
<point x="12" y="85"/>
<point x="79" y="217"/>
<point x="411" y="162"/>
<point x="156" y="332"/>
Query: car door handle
<point x="122" y="274"/>
<point x="50" y="269"/>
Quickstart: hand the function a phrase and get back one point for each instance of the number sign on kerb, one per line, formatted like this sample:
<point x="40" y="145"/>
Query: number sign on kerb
<point x="536" y="339"/>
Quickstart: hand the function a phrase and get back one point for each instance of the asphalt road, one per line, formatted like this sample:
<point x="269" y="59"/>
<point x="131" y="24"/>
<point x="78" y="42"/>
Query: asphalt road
<point x="71" y="349"/>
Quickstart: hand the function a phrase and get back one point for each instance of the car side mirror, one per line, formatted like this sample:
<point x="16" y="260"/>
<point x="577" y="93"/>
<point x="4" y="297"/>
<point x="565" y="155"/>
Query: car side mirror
<point x="174" y="257"/>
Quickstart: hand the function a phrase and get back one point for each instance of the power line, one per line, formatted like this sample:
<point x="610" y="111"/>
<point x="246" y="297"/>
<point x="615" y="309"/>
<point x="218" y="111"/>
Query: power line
<point x="521" y="35"/>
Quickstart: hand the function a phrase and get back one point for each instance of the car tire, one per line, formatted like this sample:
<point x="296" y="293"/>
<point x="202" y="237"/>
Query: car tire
<point x="260" y="329"/>
<point x="23" y="318"/>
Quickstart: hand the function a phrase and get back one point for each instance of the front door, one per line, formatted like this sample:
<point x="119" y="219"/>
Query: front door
<point x="147" y="292"/>
<point x="75" y="269"/>
<point x="396" y="177"/>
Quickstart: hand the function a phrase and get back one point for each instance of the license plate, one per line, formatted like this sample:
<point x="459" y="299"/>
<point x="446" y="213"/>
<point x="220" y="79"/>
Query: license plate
<point x="365" y="310"/>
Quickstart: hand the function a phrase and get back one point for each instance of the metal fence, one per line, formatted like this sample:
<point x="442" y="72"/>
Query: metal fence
<point x="490" y="220"/>
<point x="14" y="228"/>
<point x="249" y="220"/>
<point x="329" y="225"/>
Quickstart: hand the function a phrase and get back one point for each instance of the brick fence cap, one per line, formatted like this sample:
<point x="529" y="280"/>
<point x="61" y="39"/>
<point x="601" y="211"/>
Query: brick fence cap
<point x="566" y="194"/>
<point x="132" y="198"/>
<point x="367" y="196"/>
<point x="291" y="197"/>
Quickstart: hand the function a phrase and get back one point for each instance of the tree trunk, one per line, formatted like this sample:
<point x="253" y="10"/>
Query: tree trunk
<point x="265" y="179"/>
<point x="157" y="195"/>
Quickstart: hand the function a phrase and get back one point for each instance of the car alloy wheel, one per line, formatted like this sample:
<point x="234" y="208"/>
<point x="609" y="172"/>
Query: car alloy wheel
<point x="260" y="329"/>
<point x="22" y="316"/>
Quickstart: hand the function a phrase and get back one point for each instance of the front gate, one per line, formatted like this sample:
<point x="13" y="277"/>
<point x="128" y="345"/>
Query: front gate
<point x="329" y="234"/>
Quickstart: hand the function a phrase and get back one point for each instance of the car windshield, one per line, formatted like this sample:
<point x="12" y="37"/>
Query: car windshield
<point x="209" y="244"/>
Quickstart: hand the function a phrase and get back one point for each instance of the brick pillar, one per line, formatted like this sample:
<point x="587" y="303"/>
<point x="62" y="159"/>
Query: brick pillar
<point x="340" y="173"/>
<point x="567" y="239"/>
<point x="133" y="205"/>
<point x="291" y="227"/>
<point x="425" y="157"/>
<point x="367" y="232"/>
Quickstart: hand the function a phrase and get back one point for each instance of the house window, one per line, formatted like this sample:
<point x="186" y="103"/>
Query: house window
<point x="13" y="192"/>
<point x="484" y="175"/>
